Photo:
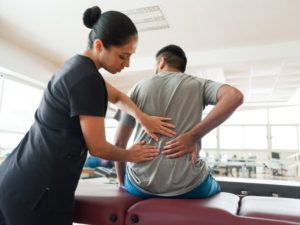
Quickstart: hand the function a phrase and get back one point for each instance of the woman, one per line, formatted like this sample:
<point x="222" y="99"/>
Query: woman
<point x="39" y="178"/>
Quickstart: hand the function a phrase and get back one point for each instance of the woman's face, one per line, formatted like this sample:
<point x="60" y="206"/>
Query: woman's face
<point x="115" y="58"/>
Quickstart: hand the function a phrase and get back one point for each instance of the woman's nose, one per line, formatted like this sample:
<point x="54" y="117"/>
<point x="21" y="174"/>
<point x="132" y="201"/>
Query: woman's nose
<point x="126" y="62"/>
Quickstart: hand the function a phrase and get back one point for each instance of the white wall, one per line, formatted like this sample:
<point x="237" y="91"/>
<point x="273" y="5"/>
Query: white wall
<point x="23" y="64"/>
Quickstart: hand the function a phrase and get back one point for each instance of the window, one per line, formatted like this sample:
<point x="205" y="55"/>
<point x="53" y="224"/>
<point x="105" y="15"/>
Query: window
<point x="243" y="137"/>
<point x="110" y="131"/>
<point x="284" y="137"/>
<point x="267" y="139"/>
<point x="231" y="137"/>
<point x="255" y="137"/>
<point x="298" y="141"/>
<point x="210" y="140"/>
<point x="1" y="89"/>
<point x="18" y="102"/>
<point x="257" y="116"/>
<point x="285" y="115"/>
<point x="9" y="140"/>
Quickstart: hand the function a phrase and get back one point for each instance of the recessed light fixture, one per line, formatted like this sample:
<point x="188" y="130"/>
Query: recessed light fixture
<point x="148" y="18"/>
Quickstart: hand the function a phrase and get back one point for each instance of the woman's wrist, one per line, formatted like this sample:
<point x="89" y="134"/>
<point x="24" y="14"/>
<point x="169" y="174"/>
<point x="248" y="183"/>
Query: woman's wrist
<point x="127" y="156"/>
<point x="140" y="116"/>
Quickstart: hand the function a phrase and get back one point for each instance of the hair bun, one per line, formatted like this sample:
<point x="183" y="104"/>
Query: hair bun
<point x="91" y="16"/>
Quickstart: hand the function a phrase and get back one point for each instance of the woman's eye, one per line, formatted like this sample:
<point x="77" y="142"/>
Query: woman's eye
<point x="122" y="57"/>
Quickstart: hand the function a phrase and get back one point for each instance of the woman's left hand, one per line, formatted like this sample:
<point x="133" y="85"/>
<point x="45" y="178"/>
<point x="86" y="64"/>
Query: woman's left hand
<point x="158" y="125"/>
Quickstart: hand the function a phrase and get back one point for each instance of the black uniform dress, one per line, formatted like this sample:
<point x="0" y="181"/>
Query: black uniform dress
<point x="38" y="179"/>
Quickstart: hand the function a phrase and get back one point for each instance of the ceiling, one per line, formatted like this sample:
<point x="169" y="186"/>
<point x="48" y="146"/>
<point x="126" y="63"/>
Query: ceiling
<point x="253" y="45"/>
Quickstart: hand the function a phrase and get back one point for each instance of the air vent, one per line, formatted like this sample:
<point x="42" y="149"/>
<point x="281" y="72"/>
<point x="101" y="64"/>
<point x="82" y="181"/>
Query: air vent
<point x="148" y="18"/>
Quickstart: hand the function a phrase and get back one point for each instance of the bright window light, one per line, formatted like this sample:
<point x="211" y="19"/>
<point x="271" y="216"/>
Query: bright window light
<point x="9" y="140"/>
<point x="1" y="83"/>
<point x="243" y="137"/>
<point x="258" y="116"/>
<point x="255" y="137"/>
<point x="210" y="140"/>
<point x="231" y="137"/>
<point x="19" y="103"/>
<point x="285" y="115"/>
<point x="284" y="137"/>
<point x="110" y="131"/>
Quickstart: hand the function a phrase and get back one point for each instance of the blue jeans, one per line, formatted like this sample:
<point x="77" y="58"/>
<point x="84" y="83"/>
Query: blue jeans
<point x="206" y="189"/>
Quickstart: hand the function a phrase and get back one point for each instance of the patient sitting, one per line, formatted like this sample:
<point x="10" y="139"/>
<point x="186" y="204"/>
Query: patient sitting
<point x="178" y="170"/>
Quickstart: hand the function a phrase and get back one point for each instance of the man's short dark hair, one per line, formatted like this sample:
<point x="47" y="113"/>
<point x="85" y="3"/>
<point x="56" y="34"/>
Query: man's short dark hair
<point x="174" y="56"/>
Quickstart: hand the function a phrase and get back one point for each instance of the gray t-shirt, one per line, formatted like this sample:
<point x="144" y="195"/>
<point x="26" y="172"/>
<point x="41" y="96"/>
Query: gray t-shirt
<point x="183" y="98"/>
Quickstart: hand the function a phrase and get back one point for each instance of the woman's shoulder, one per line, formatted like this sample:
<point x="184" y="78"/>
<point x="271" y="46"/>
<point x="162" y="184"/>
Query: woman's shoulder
<point x="75" y="71"/>
<point x="81" y="63"/>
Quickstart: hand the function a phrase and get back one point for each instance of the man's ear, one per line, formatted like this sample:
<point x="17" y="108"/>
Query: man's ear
<point x="162" y="63"/>
<point x="98" y="45"/>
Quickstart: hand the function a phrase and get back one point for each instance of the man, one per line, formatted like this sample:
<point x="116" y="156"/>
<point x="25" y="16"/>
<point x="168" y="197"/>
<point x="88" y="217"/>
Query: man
<point x="172" y="93"/>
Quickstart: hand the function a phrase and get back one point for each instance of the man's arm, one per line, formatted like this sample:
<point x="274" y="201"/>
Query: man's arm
<point x="122" y="136"/>
<point x="228" y="99"/>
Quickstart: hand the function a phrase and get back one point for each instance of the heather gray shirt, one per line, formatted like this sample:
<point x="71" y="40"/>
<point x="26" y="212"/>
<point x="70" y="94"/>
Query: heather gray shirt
<point x="183" y="98"/>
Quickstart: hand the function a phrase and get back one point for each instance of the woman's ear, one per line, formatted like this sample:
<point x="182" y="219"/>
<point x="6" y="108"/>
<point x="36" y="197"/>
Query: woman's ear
<point x="98" y="45"/>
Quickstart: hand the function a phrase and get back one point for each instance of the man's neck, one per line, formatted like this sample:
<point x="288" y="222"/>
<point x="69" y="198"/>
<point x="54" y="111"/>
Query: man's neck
<point x="170" y="69"/>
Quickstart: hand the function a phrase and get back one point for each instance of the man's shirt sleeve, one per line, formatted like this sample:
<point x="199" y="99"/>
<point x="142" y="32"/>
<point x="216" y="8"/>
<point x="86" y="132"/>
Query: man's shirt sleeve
<point x="123" y="117"/>
<point x="210" y="92"/>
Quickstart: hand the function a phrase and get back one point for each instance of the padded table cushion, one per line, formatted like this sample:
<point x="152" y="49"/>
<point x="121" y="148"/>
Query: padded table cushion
<point x="287" y="209"/>
<point x="243" y="220"/>
<point x="100" y="203"/>
<point x="219" y="209"/>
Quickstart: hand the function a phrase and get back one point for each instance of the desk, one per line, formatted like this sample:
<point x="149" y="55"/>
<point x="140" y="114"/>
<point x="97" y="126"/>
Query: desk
<point x="241" y="166"/>
<point x="296" y="156"/>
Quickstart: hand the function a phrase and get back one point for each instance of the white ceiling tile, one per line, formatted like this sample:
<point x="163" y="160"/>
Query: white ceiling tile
<point x="266" y="68"/>
<point x="289" y="77"/>
<point x="291" y="69"/>
<point x="263" y="82"/>
<point x="261" y="91"/>
<point x="287" y="85"/>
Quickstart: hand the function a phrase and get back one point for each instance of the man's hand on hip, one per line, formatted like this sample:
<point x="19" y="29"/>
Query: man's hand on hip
<point x="183" y="144"/>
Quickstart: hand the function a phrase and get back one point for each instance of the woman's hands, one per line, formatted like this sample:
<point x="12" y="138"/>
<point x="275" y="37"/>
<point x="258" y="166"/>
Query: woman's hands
<point x="156" y="124"/>
<point x="140" y="152"/>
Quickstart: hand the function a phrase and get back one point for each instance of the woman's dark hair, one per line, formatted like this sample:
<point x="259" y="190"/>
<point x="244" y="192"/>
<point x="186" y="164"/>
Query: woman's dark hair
<point x="112" y="27"/>
<point x="174" y="56"/>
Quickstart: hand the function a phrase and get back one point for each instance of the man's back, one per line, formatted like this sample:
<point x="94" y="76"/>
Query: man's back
<point x="181" y="97"/>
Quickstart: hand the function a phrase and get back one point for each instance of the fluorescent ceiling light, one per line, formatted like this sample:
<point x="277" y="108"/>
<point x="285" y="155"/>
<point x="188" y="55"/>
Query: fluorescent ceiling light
<point x="148" y="18"/>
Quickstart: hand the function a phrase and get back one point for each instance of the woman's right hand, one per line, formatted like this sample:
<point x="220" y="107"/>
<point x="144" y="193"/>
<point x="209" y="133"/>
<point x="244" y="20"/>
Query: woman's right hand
<point x="140" y="152"/>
